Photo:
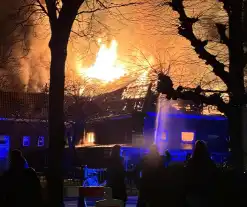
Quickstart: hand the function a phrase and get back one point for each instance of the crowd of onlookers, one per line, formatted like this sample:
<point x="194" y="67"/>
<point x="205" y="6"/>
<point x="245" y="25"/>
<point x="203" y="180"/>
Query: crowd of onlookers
<point x="197" y="182"/>
<point x="20" y="185"/>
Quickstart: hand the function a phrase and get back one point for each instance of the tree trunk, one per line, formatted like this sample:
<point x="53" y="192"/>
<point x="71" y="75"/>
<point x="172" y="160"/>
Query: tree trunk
<point x="244" y="144"/>
<point x="73" y="145"/>
<point x="235" y="119"/>
<point x="60" y="33"/>
<point x="245" y="23"/>
<point x="236" y="72"/>
<point x="236" y="52"/>
<point x="56" y="122"/>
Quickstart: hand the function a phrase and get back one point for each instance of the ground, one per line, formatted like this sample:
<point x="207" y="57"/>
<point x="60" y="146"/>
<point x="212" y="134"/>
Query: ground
<point x="131" y="203"/>
<point x="74" y="204"/>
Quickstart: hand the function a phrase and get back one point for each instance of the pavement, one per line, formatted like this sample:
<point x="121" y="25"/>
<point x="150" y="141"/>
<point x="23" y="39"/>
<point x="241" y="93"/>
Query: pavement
<point x="73" y="202"/>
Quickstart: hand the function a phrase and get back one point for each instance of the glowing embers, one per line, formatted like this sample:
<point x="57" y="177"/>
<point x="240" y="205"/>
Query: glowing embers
<point x="187" y="137"/>
<point x="89" y="139"/>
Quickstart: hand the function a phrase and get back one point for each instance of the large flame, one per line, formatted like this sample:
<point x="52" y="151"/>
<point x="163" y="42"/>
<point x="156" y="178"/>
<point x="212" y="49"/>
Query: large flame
<point x="107" y="67"/>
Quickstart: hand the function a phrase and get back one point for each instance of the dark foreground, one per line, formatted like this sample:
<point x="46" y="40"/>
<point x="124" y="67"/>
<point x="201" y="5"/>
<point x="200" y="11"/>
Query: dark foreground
<point x="132" y="201"/>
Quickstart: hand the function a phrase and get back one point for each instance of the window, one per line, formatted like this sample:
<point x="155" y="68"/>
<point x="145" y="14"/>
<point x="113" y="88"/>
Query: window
<point x="4" y="140"/>
<point x="26" y="141"/>
<point x="210" y="137"/>
<point x="164" y="136"/>
<point x="41" y="141"/>
<point x="187" y="136"/>
<point x="4" y="146"/>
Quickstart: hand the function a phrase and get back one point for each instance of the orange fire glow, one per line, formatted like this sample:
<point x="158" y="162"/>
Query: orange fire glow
<point x="89" y="139"/>
<point x="107" y="68"/>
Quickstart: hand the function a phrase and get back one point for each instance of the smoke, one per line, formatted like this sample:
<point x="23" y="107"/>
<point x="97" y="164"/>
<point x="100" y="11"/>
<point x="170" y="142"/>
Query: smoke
<point x="21" y="52"/>
<point x="146" y="35"/>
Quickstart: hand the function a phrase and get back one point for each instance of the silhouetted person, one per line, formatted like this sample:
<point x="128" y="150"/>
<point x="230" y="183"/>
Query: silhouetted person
<point x="150" y="169"/>
<point x="20" y="185"/>
<point x="17" y="160"/>
<point x="201" y="176"/>
<point x="167" y="158"/>
<point x="116" y="175"/>
<point x="187" y="158"/>
<point x="200" y="159"/>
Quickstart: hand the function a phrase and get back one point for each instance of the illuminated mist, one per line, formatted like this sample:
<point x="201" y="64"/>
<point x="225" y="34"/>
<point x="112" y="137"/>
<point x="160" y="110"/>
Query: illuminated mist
<point x="161" y="137"/>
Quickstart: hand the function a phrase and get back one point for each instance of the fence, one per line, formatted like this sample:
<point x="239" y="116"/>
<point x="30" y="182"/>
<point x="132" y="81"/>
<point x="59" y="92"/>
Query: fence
<point x="97" y="177"/>
<point x="94" y="177"/>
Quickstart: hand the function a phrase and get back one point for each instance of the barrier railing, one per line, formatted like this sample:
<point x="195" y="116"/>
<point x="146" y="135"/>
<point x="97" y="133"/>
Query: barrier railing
<point x="97" y="177"/>
<point x="103" y="196"/>
<point x="89" y="192"/>
<point x="94" y="177"/>
<point x="97" y="192"/>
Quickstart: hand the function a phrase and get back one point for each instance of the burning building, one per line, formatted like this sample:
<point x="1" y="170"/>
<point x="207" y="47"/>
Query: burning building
<point x="139" y="121"/>
<point x="133" y="120"/>
<point x="116" y="106"/>
<point x="134" y="117"/>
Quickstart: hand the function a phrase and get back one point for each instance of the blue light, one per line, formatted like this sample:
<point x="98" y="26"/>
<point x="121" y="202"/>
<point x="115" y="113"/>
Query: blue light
<point x="191" y="116"/>
<point x="26" y="141"/>
<point x="3" y="119"/>
<point x="4" y="146"/>
<point x="41" y="141"/>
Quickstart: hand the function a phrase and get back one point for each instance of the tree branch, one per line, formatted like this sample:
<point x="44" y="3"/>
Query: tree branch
<point x="111" y="6"/>
<point x="186" y="30"/>
<point x="200" y="99"/>
<point x="227" y="5"/>
<point x="51" y="9"/>
<point x="222" y="32"/>
<point x="42" y="7"/>
<point x="197" y="95"/>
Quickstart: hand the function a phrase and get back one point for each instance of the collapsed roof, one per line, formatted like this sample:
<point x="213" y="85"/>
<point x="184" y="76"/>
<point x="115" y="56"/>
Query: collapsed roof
<point x="138" y="96"/>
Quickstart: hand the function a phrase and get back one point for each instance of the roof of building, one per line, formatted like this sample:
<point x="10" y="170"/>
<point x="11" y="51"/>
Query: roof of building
<point x="138" y="96"/>
<point x="113" y="104"/>
<point x="14" y="105"/>
<point x="23" y="105"/>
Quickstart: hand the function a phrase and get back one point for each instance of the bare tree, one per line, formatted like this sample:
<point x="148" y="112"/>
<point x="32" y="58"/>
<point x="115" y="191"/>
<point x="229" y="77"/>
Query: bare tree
<point x="79" y="93"/>
<point x="62" y="14"/>
<point x="231" y="75"/>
